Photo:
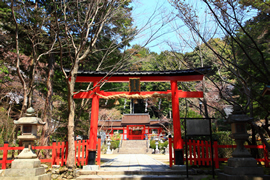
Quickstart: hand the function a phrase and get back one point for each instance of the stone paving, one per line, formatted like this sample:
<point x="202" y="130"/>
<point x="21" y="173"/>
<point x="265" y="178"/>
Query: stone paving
<point x="134" y="162"/>
<point x="135" y="167"/>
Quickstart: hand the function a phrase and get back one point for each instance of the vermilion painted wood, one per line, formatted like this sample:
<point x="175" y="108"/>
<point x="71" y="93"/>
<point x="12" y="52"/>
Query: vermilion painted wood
<point x="215" y="149"/>
<point x="189" y="143"/>
<point x="5" y="153"/>
<point x="207" y="153"/>
<point x="40" y="147"/>
<point x="176" y="117"/>
<point x="58" y="153"/>
<point x="170" y="152"/>
<point x="181" y="94"/>
<point x="198" y="157"/>
<point x="83" y="151"/>
<point x="86" y="79"/>
<point x="98" y="152"/>
<point x="94" y="119"/>
<point x="53" y="153"/>
<point x="62" y="153"/>
<point x="203" y="154"/>
<point x="76" y="151"/>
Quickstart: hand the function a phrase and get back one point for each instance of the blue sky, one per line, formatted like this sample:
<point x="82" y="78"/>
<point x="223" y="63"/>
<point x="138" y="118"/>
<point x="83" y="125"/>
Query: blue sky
<point x="169" y="31"/>
<point x="157" y="12"/>
<point x="172" y="33"/>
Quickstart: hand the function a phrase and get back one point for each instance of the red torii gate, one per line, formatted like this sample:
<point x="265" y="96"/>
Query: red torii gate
<point x="145" y="76"/>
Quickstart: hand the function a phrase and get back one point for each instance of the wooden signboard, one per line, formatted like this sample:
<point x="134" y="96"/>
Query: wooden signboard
<point x="134" y="85"/>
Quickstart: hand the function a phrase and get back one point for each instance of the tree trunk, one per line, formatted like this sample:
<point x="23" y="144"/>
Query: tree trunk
<point x="71" y="107"/>
<point x="47" y="114"/>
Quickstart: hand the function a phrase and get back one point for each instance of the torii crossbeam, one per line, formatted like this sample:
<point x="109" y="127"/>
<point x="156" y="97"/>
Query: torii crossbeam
<point x="145" y="76"/>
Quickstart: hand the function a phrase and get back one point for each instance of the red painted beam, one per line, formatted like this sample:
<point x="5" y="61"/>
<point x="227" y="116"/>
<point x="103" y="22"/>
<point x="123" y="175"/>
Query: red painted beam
<point x="142" y="78"/>
<point x="181" y="94"/>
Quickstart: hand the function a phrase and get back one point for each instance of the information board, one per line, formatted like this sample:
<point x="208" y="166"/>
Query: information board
<point x="197" y="127"/>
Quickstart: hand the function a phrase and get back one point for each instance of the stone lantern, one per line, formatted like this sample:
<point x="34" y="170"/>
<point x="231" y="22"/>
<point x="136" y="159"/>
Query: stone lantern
<point x="156" y="150"/>
<point x="242" y="164"/>
<point x="26" y="165"/>
<point x="238" y="121"/>
<point x="108" y="144"/>
<point x="28" y="125"/>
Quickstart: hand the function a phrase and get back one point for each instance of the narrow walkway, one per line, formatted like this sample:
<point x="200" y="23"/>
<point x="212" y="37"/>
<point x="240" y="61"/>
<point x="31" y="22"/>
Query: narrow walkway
<point x="134" y="162"/>
<point x="135" y="167"/>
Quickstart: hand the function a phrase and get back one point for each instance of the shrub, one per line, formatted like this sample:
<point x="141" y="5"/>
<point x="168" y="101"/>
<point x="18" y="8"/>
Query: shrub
<point x="114" y="144"/>
<point x="153" y="144"/>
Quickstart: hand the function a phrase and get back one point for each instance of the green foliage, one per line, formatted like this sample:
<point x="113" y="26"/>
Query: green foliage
<point x="153" y="144"/>
<point x="223" y="138"/>
<point x="114" y="144"/>
<point x="4" y="70"/>
<point x="161" y="146"/>
<point x="116" y="136"/>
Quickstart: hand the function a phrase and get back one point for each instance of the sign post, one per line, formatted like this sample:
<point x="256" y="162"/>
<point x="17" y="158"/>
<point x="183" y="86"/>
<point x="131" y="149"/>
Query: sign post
<point x="199" y="127"/>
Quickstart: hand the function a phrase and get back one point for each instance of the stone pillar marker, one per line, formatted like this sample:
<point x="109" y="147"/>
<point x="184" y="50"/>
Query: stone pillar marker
<point x="26" y="165"/>
<point x="242" y="166"/>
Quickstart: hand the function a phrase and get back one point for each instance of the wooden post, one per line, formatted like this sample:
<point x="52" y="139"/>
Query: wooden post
<point x="170" y="150"/>
<point x="5" y="153"/>
<point x="54" y="153"/>
<point x="215" y="147"/>
<point x="178" y="144"/>
<point x="93" y="127"/>
<point x="98" y="152"/>
<point x="62" y="153"/>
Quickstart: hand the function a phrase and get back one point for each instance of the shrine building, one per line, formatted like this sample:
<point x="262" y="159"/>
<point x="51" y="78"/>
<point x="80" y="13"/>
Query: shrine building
<point x="134" y="126"/>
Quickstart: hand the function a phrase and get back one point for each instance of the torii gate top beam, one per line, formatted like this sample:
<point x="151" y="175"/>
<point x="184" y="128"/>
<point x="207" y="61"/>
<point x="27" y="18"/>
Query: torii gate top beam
<point x="145" y="76"/>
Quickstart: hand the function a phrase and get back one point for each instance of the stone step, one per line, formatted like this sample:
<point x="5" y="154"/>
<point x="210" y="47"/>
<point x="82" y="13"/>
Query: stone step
<point x="159" y="173"/>
<point x="123" y="151"/>
<point x="133" y="147"/>
<point x="133" y="177"/>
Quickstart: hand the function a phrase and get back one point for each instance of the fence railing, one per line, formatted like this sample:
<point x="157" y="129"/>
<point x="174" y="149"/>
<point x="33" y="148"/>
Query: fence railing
<point x="199" y="152"/>
<point x="58" y="153"/>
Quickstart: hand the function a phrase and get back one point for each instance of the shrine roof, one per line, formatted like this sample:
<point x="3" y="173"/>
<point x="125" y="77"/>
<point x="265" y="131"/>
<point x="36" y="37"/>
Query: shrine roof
<point x="195" y="74"/>
<point x="135" y="119"/>
<point x="185" y="72"/>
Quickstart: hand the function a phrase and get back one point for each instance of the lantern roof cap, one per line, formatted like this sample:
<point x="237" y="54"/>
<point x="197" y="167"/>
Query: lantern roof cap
<point x="30" y="118"/>
<point x="239" y="116"/>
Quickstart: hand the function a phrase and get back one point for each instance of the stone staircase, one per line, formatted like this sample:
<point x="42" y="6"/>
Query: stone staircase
<point x="133" y="147"/>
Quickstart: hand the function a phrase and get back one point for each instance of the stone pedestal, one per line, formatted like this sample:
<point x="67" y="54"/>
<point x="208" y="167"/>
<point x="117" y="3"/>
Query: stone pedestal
<point x="242" y="166"/>
<point x="242" y="169"/>
<point x="26" y="169"/>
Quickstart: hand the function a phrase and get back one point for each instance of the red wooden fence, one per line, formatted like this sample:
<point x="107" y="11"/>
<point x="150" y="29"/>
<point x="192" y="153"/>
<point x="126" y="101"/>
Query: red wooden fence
<point x="199" y="153"/>
<point x="59" y="152"/>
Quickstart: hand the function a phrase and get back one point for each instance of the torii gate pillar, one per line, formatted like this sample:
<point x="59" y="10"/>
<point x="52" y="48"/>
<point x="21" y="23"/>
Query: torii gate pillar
<point x="178" y="143"/>
<point x="93" y="127"/>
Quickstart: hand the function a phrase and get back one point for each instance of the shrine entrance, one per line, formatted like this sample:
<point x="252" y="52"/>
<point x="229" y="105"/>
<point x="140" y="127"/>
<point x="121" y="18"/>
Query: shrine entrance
<point x="134" y="79"/>
<point x="136" y="132"/>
